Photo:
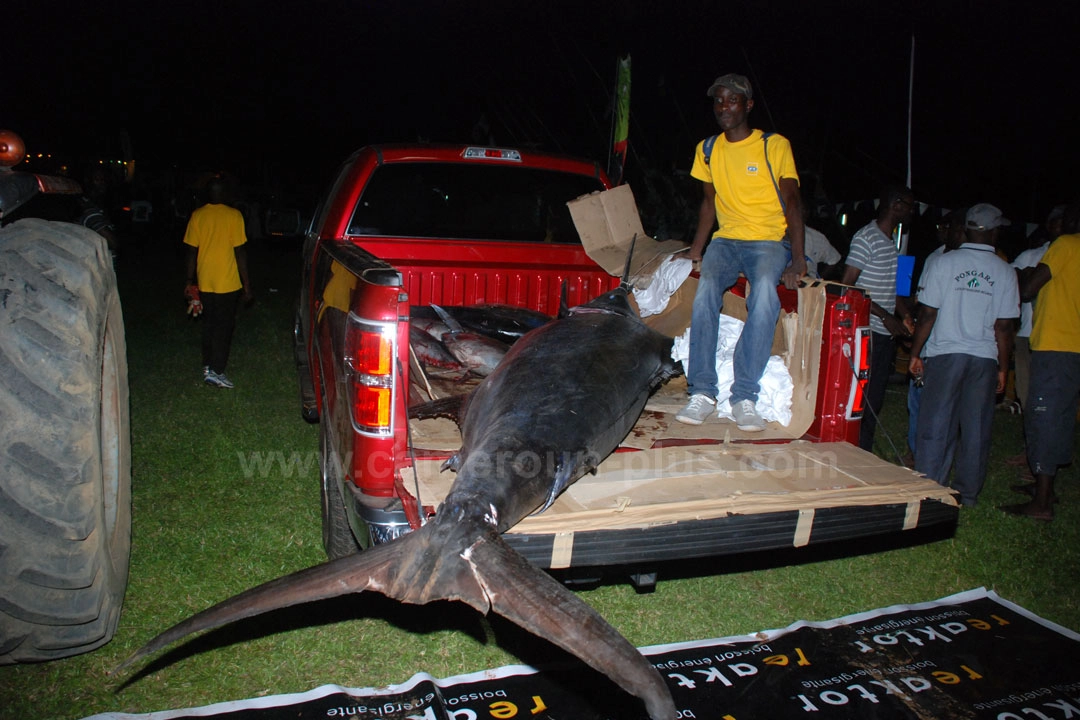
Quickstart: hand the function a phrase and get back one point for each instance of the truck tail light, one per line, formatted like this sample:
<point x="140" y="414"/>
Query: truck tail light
<point x="861" y="367"/>
<point x="369" y="360"/>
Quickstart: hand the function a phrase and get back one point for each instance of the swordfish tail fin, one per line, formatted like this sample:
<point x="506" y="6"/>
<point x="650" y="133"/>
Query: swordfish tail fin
<point x="540" y="604"/>
<point x="376" y="569"/>
<point x="464" y="560"/>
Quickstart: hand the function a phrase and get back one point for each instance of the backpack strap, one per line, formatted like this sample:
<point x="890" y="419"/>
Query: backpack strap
<point x="765" y="140"/>
<point x="708" y="146"/>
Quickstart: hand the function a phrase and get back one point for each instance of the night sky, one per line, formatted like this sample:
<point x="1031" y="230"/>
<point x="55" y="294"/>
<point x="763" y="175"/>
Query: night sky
<point x="281" y="92"/>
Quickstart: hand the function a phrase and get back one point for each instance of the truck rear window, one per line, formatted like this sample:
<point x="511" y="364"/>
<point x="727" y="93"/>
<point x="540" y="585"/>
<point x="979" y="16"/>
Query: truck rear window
<point x="470" y="202"/>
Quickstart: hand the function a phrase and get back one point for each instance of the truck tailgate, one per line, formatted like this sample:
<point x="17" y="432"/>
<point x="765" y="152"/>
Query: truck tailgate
<point x="694" y="497"/>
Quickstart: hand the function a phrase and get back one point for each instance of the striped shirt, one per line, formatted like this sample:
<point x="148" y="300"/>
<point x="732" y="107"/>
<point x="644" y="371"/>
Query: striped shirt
<point x="874" y="253"/>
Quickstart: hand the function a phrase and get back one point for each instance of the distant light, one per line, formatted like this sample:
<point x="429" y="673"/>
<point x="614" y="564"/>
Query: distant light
<point x="843" y="219"/>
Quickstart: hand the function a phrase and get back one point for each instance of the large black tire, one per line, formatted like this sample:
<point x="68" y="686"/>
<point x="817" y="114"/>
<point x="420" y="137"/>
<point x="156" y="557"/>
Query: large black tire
<point x="338" y="538"/>
<point x="65" y="452"/>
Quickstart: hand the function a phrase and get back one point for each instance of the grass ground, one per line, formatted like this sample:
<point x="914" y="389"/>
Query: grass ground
<point x="226" y="496"/>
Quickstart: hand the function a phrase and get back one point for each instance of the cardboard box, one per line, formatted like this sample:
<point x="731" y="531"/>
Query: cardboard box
<point x="608" y="222"/>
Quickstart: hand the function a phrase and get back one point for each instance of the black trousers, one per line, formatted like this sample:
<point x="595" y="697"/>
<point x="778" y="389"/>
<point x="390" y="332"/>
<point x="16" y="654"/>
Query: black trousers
<point x="218" y="323"/>
<point x="882" y="359"/>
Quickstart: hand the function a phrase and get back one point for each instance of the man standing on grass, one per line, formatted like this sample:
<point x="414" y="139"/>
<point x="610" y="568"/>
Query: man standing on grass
<point x="217" y="275"/>
<point x="1054" y="392"/>
<point x="871" y="265"/>
<point x="969" y="303"/>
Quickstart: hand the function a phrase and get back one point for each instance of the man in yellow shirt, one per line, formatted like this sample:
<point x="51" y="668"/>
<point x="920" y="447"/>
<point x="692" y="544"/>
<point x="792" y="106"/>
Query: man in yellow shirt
<point x="217" y="267"/>
<point x="751" y="188"/>
<point x="1054" y="391"/>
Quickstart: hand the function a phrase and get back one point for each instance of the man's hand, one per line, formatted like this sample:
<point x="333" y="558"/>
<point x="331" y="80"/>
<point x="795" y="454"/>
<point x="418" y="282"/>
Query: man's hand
<point x="247" y="295"/>
<point x="915" y="367"/>
<point x="191" y="294"/>
<point x="895" y="327"/>
<point x="793" y="273"/>
<point x="909" y="325"/>
<point x="1001" y="382"/>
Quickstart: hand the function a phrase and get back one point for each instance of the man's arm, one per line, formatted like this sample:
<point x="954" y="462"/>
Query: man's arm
<point x="851" y="275"/>
<point x="241" y="266"/>
<point x="927" y="318"/>
<point x="1004" y="328"/>
<point x="706" y="221"/>
<point x="1032" y="280"/>
<point x="192" y="258"/>
<point x="789" y="190"/>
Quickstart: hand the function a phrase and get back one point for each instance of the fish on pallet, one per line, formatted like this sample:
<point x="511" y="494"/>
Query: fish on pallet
<point x="430" y="351"/>
<point x="506" y="323"/>
<point x="562" y="400"/>
<point x="479" y="353"/>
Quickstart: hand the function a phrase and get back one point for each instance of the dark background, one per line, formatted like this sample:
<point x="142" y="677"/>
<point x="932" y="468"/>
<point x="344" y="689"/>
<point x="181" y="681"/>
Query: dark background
<point x="278" y="93"/>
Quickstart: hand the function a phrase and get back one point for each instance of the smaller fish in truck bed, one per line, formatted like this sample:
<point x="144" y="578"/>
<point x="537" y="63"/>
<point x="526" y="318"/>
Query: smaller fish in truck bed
<point x="430" y="351"/>
<point x="479" y="353"/>
<point x="506" y="323"/>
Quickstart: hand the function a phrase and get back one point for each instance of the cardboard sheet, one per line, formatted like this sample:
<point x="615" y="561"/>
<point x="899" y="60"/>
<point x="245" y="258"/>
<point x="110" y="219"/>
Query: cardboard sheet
<point x="640" y="489"/>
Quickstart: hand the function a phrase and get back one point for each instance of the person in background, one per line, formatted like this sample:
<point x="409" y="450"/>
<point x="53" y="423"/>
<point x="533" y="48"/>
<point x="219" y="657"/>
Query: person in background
<point x="969" y="304"/>
<point x="871" y="266"/>
<point x="821" y="256"/>
<point x="217" y="276"/>
<point x="90" y="208"/>
<point x="751" y="188"/>
<point x="1054" y="391"/>
<point x="1022" y="351"/>
<point x="950" y="234"/>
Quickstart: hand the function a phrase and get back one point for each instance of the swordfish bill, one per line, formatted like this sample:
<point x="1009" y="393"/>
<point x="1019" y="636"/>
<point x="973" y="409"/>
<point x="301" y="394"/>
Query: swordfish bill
<point x="563" y="398"/>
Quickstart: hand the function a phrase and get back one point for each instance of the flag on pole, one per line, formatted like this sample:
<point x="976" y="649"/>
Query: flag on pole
<point x="621" y="122"/>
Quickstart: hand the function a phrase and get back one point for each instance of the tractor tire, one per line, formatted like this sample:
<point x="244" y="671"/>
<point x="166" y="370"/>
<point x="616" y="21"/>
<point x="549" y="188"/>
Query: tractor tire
<point x="65" y="449"/>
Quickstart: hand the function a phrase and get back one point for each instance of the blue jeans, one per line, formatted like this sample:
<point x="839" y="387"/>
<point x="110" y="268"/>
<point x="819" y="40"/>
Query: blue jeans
<point x="762" y="261"/>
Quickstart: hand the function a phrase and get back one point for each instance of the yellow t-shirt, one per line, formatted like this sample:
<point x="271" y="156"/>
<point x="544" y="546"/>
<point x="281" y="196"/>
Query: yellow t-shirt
<point x="747" y="205"/>
<point x="216" y="230"/>
<point x="1057" y="308"/>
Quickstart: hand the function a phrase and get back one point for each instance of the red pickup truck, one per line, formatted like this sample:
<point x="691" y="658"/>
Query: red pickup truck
<point x="413" y="225"/>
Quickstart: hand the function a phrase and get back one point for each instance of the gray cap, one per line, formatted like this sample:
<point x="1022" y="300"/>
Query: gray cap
<point x="733" y="82"/>
<point x="984" y="217"/>
<point x="1057" y="213"/>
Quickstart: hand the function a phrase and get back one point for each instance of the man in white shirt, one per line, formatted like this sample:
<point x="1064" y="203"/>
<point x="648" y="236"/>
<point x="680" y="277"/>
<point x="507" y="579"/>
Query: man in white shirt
<point x="969" y="301"/>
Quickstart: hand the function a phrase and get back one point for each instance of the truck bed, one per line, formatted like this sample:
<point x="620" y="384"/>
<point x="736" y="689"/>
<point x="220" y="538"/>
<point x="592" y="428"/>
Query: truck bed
<point x="676" y="491"/>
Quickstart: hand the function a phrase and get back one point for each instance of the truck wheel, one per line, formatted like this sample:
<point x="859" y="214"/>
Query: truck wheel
<point x="338" y="539"/>
<point x="65" y="452"/>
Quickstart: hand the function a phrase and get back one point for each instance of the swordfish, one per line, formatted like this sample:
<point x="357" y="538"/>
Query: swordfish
<point x="563" y="398"/>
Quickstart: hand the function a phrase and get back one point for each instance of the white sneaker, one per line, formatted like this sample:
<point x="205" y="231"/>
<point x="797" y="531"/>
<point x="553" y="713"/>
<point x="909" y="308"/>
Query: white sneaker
<point x="746" y="417"/>
<point x="217" y="380"/>
<point x="697" y="410"/>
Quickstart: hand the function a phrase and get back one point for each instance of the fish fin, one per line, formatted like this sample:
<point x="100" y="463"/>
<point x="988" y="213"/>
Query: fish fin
<point x="540" y="604"/>
<point x="369" y="570"/>
<point x="565" y="474"/>
<point x="451" y="407"/>
<point x="454" y="325"/>
<point x="451" y="463"/>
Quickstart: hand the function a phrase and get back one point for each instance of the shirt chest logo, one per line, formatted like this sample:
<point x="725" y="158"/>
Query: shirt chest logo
<point x="752" y="168"/>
